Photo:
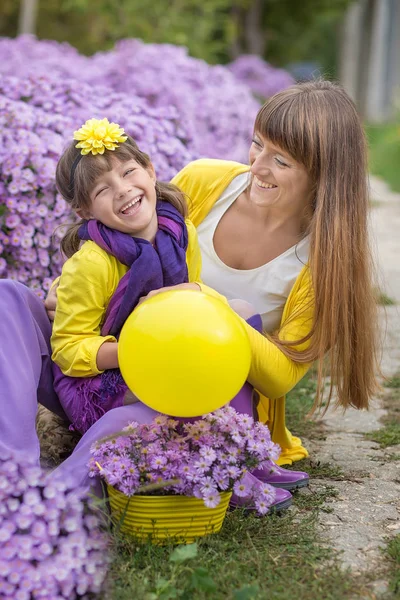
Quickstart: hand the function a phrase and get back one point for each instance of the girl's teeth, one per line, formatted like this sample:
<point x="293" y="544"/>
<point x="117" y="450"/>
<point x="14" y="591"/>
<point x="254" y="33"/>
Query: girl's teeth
<point x="130" y="205"/>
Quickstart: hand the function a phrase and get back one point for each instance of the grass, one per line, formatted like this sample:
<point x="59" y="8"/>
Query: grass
<point x="276" y="557"/>
<point x="298" y="404"/>
<point x="384" y="152"/>
<point x="393" y="383"/>
<point x="392" y="552"/>
<point x="384" y="300"/>
<point x="389" y="434"/>
<point x="252" y="558"/>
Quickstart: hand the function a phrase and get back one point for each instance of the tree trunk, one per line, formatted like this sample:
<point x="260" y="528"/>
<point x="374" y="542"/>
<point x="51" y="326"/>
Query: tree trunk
<point x="236" y="43"/>
<point x="27" y="16"/>
<point x="255" y="35"/>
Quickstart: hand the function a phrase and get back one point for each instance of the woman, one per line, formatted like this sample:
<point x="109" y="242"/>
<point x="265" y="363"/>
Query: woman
<point x="289" y="235"/>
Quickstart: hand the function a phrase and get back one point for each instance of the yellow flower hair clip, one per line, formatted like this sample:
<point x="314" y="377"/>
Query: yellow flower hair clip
<point x="97" y="135"/>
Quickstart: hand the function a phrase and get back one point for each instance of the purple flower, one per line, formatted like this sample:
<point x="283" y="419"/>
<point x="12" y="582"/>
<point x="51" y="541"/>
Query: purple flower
<point x="208" y="454"/>
<point x="177" y="108"/>
<point x="212" y="499"/>
<point x="204" y="457"/>
<point x="241" y="488"/>
<point x="37" y="559"/>
<point x="263" y="79"/>
<point x="262" y="506"/>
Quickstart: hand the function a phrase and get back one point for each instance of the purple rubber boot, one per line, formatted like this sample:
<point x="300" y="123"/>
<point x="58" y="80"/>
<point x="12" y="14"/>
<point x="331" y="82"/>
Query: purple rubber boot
<point x="271" y="474"/>
<point x="281" y="478"/>
<point x="282" y="499"/>
<point x="243" y="403"/>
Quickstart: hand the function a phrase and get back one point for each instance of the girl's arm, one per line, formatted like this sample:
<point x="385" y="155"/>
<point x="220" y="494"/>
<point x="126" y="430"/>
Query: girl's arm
<point x="85" y="288"/>
<point x="107" y="356"/>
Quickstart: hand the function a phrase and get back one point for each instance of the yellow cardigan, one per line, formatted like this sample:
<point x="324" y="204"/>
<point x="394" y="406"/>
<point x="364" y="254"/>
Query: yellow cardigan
<point x="271" y="373"/>
<point x="88" y="280"/>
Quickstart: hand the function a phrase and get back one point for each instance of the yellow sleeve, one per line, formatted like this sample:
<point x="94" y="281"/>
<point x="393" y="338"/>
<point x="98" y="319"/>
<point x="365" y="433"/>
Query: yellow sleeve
<point x="193" y="260"/>
<point x="203" y="182"/>
<point x="272" y="373"/>
<point x="56" y="281"/>
<point x="86" y="286"/>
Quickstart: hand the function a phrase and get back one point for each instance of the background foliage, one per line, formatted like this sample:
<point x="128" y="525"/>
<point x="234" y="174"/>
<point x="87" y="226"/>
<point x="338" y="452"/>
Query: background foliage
<point x="282" y="31"/>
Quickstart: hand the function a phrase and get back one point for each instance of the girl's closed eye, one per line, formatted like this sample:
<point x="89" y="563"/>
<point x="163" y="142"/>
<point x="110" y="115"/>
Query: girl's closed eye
<point x="128" y="171"/>
<point x="100" y="191"/>
<point x="256" y="142"/>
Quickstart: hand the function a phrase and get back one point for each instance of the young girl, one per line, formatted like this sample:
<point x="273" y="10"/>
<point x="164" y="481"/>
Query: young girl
<point x="133" y="238"/>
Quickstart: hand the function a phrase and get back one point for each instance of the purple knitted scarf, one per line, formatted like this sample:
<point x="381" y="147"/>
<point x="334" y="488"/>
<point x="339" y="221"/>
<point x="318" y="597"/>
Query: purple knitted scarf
<point x="151" y="266"/>
<point x="154" y="266"/>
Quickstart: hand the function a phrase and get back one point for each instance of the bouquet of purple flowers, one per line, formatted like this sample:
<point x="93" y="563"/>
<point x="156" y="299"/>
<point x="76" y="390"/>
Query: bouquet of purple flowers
<point x="193" y="458"/>
<point x="51" y="544"/>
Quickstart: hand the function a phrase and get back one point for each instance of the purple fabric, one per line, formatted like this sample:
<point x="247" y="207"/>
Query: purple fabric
<point x="25" y="367"/>
<point x="155" y="266"/>
<point x="151" y="267"/>
<point x="75" y="466"/>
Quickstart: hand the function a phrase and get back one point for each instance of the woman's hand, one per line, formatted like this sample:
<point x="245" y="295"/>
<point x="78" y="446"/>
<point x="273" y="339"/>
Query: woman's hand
<point x="180" y="286"/>
<point x="51" y="302"/>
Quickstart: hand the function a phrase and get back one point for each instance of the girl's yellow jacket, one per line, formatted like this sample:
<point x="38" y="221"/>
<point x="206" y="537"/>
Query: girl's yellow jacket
<point x="271" y="373"/>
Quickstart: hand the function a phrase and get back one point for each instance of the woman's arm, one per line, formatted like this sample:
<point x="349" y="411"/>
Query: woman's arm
<point x="272" y="373"/>
<point x="50" y="303"/>
<point x="83" y="294"/>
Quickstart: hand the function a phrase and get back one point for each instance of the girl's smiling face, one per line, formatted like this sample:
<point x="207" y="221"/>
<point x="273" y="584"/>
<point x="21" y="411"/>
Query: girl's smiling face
<point x="125" y="199"/>
<point x="278" y="180"/>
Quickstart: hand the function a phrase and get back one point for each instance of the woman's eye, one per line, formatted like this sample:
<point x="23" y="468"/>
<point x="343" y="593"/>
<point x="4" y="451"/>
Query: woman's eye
<point x="128" y="171"/>
<point x="280" y="162"/>
<point x="256" y="143"/>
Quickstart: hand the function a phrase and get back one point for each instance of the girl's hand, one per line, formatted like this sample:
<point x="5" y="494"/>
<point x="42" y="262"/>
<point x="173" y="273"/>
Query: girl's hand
<point x="51" y="302"/>
<point x="180" y="286"/>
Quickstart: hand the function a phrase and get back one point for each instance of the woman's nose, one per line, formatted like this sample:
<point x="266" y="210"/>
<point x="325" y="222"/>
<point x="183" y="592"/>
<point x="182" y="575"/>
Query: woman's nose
<point x="260" y="164"/>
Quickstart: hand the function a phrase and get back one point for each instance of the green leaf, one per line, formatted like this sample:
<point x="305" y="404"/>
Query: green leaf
<point x="247" y="592"/>
<point x="169" y="594"/>
<point x="165" y="590"/>
<point x="202" y="581"/>
<point x="183" y="553"/>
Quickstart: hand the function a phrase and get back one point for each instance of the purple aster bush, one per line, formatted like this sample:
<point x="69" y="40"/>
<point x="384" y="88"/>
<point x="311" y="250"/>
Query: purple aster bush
<point x="37" y="119"/>
<point x="216" y="108"/>
<point x="263" y="79"/>
<point x="199" y="458"/>
<point x="219" y="110"/>
<point x="51" y="543"/>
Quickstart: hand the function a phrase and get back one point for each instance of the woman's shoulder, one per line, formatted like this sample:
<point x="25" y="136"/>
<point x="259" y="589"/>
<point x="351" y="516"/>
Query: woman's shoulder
<point x="301" y="293"/>
<point x="203" y="181"/>
<point x="206" y="169"/>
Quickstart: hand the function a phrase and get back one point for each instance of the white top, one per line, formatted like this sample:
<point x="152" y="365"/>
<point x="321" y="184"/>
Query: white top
<point x="267" y="287"/>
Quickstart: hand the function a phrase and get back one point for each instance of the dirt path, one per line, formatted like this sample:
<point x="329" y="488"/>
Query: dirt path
<point x="366" y="510"/>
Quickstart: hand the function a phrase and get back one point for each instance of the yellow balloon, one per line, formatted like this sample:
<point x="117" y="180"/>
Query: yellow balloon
<point x="184" y="353"/>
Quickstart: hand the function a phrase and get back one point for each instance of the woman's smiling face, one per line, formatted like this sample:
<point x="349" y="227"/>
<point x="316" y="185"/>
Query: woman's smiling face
<point x="278" y="180"/>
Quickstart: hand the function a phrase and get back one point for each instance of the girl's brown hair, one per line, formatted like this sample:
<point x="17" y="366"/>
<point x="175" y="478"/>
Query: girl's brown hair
<point x="88" y="170"/>
<point x="318" y="125"/>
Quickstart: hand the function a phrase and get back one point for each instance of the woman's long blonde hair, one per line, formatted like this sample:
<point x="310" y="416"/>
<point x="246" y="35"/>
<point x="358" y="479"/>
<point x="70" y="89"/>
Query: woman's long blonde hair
<point x="89" y="169"/>
<point x="318" y="125"/>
